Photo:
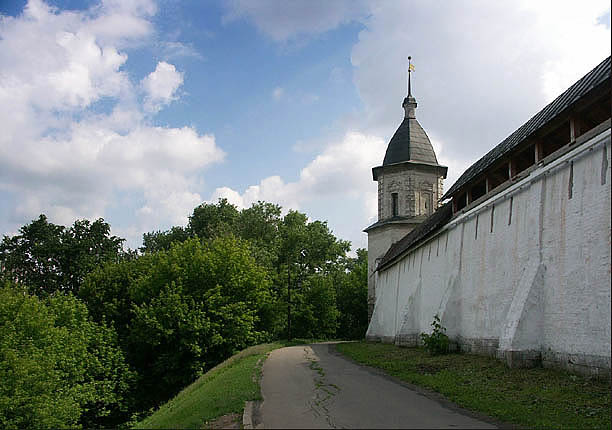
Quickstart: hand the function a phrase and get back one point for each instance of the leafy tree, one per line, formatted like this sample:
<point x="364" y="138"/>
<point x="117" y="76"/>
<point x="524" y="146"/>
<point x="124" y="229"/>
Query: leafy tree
<point x="107" y="291"/>
<point x="57" y="367"/>
<point x="85" y="246"/>
<point x="260" y="225"/>
<point x="49" y="258"/>
<point x="212" y="220"/>
<point x="161" y="240"/>
<point x="315" y="314"/>
<point x="312" y="246"/>
<point x="34" y="256"/>
<point x="182" y="311"/>
<point x="351" y="297"/>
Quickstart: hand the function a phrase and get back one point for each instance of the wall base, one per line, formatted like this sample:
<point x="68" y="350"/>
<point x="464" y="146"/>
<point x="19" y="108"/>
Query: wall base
<point x="481" y="346"/>
<point x="521" y="358"/>
<point x="584" y="364"/>
<point x="407" y="340"/>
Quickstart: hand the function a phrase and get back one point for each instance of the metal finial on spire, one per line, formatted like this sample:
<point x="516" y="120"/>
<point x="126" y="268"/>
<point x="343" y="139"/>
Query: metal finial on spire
<point x="410" y="69"/>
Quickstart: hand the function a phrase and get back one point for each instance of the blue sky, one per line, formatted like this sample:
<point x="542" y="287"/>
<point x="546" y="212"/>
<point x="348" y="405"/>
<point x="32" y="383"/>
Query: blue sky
<point x="138" y="110"/>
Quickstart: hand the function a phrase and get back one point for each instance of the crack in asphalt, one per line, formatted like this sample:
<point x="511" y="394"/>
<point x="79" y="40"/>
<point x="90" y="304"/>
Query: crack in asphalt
<point x="324" y="391"/>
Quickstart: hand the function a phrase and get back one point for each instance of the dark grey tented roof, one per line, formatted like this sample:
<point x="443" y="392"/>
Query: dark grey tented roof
<point x="410" y="143"/>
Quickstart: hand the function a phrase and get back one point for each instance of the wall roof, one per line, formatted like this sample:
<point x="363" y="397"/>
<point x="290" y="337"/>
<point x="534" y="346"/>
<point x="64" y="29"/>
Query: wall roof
<point x="432" y="223"/>
<point x="562" y="103"/>
<point x="440" y="217"/>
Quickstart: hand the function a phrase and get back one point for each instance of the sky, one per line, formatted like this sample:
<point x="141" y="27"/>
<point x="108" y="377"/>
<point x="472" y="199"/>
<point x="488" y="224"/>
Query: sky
<point x="137" y="111"/>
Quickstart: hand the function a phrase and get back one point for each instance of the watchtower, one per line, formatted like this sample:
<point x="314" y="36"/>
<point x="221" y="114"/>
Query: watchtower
<point x="409" y="187"/>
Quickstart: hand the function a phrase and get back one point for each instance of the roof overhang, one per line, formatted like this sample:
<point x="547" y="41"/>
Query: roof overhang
<point x="590" y="87"/>
<point x="398" y="220"/>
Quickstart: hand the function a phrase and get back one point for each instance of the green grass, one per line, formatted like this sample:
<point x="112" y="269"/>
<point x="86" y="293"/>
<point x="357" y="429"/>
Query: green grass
<point x="222" y="390"/>
<point x="534" y="398"/>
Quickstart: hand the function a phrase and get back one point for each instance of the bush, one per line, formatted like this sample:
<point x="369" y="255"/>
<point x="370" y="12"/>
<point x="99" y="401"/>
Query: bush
<point x="180" y="312"/>
<point x="437" y="342"/>
<point x="57" y="367"/>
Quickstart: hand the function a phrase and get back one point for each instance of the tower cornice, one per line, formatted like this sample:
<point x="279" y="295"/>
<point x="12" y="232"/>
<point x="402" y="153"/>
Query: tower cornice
<point x="409" y="165"/>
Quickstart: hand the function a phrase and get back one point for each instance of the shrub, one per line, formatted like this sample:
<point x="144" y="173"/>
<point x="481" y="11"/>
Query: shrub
<point x="437" y="342"/>
<point x="58" y="368"/>
<point x="180" y="312"/>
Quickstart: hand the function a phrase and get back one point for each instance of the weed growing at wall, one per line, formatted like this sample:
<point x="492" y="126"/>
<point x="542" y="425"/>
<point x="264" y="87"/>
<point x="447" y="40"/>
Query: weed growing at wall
<point x="437" y="342"/>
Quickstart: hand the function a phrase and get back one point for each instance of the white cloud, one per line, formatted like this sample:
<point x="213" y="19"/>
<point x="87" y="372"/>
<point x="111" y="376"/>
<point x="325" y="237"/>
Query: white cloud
<point x="161" y="85"/>
<point x="61" y="156"/>
<point x="287" y="20"/>
<point x="337" y="178"/>
<point x="482" y="69"/>
<point x="171" y="50"/>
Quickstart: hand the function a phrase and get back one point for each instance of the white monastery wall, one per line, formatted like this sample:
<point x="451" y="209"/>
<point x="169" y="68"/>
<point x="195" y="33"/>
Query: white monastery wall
<point x="525" y="275"/>
<point x="379" y="241"/>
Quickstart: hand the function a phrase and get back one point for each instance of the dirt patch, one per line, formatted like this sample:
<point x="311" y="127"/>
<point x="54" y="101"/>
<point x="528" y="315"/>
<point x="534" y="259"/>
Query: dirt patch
<point x="229" y="421"/>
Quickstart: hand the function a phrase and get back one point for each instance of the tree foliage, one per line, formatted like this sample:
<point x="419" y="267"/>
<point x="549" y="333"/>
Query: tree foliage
<point x="182" y="311"/>
<point x="162" y="240"/>
<point x="58" y="368"/>
<point x="49" y="258"/>
<point x="116" y="333"/>
<point x="213" y="220"/>
<point x="351" y="297"/>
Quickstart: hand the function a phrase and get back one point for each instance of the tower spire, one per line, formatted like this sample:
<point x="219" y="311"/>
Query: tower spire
<point x="410" y="68"/>
<point x="409" y="103"/>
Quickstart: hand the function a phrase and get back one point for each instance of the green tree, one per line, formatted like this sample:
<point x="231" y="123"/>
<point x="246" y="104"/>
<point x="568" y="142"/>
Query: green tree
<point x="310" y="246"/>
<point x="212" y="220"/>
<point x="85" y="246"/>
<point x="49" y="258"/>
<point x="351" y="297"/>
<point x="292" y="249"/>
<point x="260" y="225"/>
<point x="57" y="367"/>
<point x="161" y="240"/>
<point x="315" y="314"/>
<point x="182" y="311"/>
<point x="34" y="256"/>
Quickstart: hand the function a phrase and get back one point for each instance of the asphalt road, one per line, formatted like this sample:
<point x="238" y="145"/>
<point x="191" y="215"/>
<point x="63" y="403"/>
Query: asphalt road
<point x="315" y="387"/>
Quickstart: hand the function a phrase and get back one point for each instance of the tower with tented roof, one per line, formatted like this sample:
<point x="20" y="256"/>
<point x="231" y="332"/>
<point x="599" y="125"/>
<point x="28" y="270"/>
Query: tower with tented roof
<point x="409" y="187"/>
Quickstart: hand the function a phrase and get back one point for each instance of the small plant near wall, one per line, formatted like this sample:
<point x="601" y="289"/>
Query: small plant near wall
<point x="437" y="342"/>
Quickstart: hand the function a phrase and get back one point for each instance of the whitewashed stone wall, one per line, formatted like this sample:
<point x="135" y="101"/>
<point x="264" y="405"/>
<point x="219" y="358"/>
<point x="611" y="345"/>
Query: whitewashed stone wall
<point x="524" y="276"/>
<point x="379" y="241"/>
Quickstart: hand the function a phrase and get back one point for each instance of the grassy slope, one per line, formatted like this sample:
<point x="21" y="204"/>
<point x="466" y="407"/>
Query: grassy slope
<point x="222" y="390"/>
<point x="528" y="397"/>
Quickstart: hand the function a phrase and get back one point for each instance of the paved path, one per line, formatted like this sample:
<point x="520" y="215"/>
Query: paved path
<point x="313" y="387"/>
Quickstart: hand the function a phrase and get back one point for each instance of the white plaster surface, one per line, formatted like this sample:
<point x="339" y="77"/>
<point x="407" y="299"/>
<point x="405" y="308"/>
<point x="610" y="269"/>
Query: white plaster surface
<point x="379" y="241"/>
<point x="527" y="270"/>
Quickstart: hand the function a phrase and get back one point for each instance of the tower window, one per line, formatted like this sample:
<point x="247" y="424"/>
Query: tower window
<point x="395" y="208"/>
